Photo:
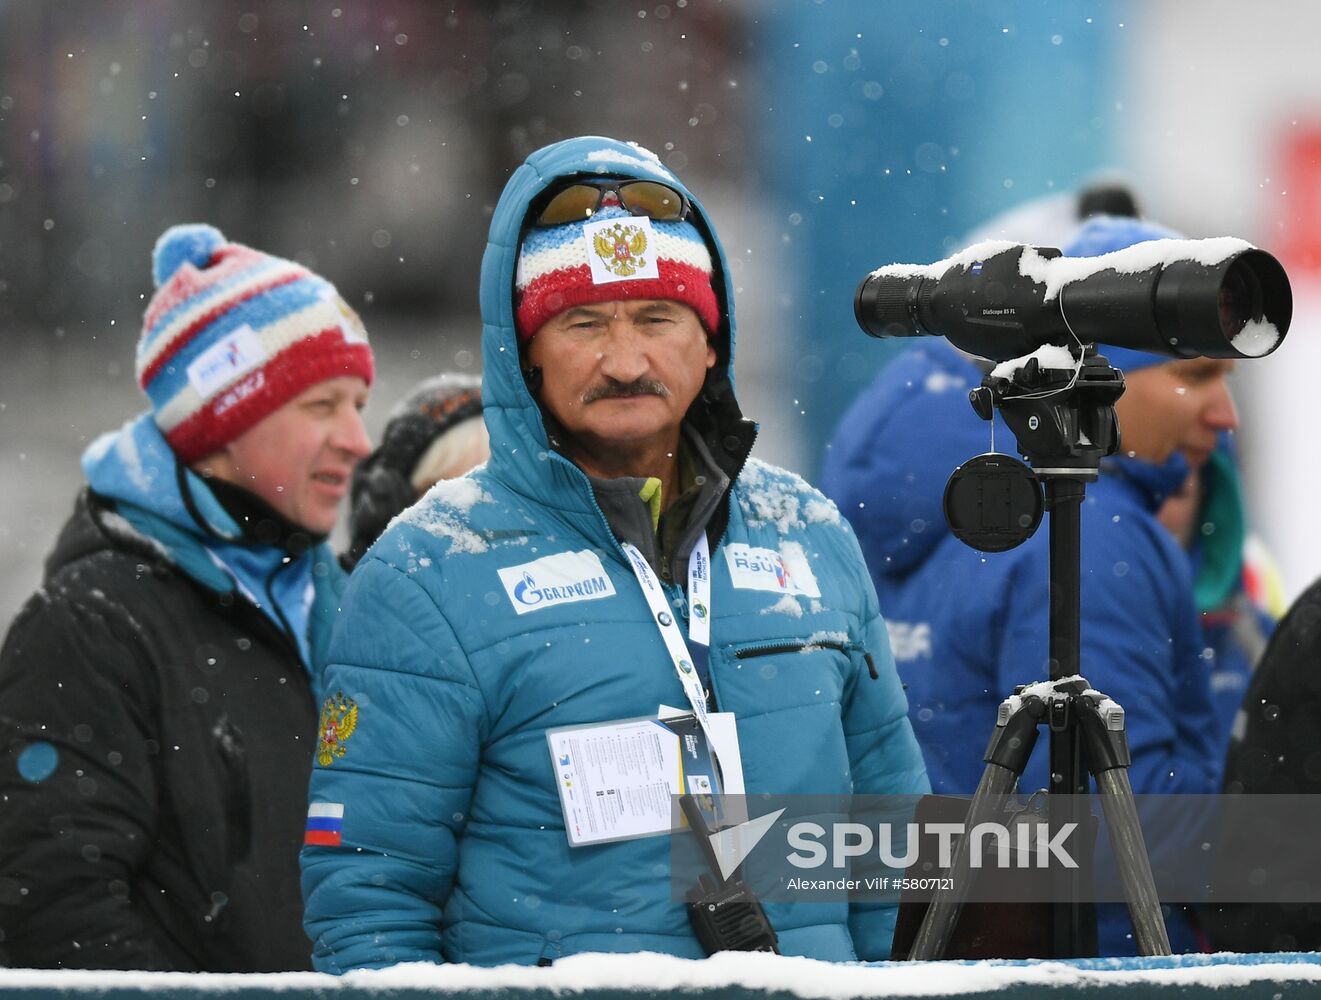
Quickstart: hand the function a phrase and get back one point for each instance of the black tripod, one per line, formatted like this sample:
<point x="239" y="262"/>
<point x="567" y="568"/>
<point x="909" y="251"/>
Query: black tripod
<point x="1064" y="422"/>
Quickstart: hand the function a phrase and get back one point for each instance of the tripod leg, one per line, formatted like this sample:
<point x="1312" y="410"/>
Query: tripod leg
<point x="1121" y="816"/>
<point x="942" y="914"/>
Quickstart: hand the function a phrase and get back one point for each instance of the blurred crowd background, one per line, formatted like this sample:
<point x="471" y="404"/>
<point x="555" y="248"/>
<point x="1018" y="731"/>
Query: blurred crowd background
<point x="370" y="140"/>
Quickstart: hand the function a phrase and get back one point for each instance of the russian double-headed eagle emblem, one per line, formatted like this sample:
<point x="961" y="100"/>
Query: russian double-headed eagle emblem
<point x="620" y="248"/>
<point x="339" y="718"/>
<point x="350" y="323"/>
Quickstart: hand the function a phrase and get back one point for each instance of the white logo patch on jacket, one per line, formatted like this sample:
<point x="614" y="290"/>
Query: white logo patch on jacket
<point x="909" y="640"/>
<point x="557" y="579"/>
<point x="783" y="572"/>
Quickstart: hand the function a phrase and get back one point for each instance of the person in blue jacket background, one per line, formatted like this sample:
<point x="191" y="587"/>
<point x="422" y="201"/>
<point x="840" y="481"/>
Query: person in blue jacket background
<point x="507" y="603"/>
<point x="966" y="627"/>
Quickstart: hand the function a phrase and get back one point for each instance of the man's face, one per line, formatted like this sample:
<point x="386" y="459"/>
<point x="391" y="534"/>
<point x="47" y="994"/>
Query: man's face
<point x="1176" y="406"/>
<point x="621" y="375"/>
<point x="299" y="459"/>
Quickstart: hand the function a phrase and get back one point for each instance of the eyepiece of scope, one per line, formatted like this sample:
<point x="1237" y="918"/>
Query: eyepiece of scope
<point x="884" y="306"/>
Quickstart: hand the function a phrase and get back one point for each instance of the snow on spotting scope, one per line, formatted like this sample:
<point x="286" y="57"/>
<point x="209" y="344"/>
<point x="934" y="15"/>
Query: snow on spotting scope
<point x="1216" y="298"/>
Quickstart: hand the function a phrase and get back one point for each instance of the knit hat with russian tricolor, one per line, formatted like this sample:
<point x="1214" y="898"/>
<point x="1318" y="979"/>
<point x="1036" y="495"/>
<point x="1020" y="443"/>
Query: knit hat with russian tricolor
<point x="612" y="255"/>
<point x="232" y="334"/>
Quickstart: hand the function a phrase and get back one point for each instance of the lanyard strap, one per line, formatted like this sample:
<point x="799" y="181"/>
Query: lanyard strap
<point x="699" y="621"/>
<point x="699" y="592"/>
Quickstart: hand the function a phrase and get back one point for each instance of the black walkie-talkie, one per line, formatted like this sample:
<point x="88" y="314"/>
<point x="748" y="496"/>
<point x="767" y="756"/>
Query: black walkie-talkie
<point x="725" y="913"/>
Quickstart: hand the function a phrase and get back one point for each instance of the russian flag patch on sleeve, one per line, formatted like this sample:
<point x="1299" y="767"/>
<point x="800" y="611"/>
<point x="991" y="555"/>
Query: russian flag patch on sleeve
<point x="325" y="821"/>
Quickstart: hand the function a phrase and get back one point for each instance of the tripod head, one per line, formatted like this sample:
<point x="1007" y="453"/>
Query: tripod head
<point x="1063" y="418"/>
<point x="1064" y="422"/>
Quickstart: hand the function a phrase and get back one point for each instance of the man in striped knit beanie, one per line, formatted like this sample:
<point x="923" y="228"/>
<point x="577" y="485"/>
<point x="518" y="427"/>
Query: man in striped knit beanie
<point x="159" y="695"/>
<point x="611" y="275"/>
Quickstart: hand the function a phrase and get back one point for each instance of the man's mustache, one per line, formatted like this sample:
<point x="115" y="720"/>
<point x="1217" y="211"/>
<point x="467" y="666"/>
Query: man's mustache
<point x="611" y="389"/>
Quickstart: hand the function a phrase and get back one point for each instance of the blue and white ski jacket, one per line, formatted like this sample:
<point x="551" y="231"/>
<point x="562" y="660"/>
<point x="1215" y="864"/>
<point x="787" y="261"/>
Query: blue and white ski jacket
<point x="452" y="844"/>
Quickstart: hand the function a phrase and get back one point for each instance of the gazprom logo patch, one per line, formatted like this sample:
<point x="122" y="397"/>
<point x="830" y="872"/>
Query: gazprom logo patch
<point x="557" y="579"/>
<point x="783" y="572"/>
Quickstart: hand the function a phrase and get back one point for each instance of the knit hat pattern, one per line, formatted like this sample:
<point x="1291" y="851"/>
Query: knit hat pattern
<point x="611" y="256"/>
<point x="232" y="334"/>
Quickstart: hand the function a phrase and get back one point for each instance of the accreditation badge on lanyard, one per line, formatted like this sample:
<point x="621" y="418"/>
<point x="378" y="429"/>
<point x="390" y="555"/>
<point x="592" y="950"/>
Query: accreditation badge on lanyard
<point x="616" y="779"/>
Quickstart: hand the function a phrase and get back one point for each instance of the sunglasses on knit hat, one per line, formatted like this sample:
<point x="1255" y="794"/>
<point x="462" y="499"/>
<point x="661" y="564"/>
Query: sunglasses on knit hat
<point x="637" y="249"/>
<point x="582" y="199"/>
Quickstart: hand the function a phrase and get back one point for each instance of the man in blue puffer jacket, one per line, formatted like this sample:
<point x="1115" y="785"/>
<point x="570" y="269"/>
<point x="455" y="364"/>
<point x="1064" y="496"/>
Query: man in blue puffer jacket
<point x="966" y="627"/>
<point x="511" y="602"/>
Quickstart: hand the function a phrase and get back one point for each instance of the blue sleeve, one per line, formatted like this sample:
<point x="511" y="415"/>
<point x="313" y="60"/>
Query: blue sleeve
<point x="884" y="756"/>
<point x="403" y="774"/>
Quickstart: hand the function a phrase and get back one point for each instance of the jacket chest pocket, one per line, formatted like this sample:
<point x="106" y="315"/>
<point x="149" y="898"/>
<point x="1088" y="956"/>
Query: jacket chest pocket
<point x="773" y="675"/>
<point x="787" y="696"/>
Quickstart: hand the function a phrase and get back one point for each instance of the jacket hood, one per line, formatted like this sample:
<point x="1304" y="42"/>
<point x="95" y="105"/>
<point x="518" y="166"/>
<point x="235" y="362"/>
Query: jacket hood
<point x="135" y="466"/>
<point x="95" y="527"/>
<point x="174" y="513"/>
<point x="521" y="454"/>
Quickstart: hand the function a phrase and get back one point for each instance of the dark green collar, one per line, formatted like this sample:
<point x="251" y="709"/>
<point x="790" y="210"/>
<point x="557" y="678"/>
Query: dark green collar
<point x="631" y="505"/>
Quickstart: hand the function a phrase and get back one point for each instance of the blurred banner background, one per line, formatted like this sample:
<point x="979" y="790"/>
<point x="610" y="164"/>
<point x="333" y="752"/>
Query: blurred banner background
<point x="369" y="140"/>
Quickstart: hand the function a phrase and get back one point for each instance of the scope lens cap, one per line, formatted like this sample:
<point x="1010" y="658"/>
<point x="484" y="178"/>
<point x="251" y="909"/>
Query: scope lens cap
<point x="993" y="502"/>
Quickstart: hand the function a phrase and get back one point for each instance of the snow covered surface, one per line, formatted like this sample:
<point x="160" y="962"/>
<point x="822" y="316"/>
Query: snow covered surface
<point x="777" y="496"/>
<point x="1046" y="690"/>
<point x="786" y="605"/>
<point x="964" y="258"/>
<point x="650" y="974"/>
<point x="1047" y="355"/>
<point x="1060" y="271"/>
<point x="1256" y="338"/>
<point x="443" y="510"/>
<point x="646" y="160"/>
<point x="1056" y="272"/>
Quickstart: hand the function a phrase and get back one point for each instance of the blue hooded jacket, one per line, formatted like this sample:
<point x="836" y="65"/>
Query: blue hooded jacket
<point x="453" y="845"/>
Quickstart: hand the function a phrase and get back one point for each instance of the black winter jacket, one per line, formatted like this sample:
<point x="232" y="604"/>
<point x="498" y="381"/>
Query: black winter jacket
<point x="162" y="831"/>
<point x="1276" y="750"/>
